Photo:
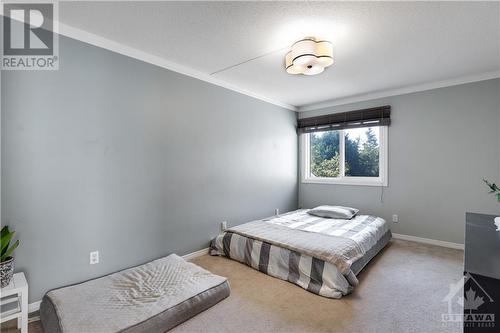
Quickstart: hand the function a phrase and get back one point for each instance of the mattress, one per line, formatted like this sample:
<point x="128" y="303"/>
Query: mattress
<point x="153" y="297"/>
<point x="315" y="273"/>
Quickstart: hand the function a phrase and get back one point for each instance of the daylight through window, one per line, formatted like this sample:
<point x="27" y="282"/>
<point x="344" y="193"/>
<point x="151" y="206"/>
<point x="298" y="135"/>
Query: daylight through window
<point x="350" y="156"/>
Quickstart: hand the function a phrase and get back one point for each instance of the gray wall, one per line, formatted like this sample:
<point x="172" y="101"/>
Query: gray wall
<point x="127" y="158"/>
<point x="442" y="142"/>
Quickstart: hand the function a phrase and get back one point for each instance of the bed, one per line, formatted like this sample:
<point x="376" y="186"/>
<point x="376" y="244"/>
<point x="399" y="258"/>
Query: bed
<point x="321" y="255"/>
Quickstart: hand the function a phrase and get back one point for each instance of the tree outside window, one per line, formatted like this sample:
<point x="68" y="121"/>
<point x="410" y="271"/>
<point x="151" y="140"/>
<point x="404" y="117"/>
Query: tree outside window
<point x="361" y="147"/>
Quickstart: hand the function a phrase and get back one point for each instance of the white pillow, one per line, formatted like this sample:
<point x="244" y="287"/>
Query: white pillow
<point x="334" y="212"/>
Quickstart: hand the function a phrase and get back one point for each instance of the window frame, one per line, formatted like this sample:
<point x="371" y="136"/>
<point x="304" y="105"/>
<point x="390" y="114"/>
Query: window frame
<point x="305" y="156"/>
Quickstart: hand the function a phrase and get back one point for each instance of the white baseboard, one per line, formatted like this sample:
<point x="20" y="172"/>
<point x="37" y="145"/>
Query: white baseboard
<point x="450" y="245"/>
<point x="35" y="306"/>
<point x="196" y="254"/>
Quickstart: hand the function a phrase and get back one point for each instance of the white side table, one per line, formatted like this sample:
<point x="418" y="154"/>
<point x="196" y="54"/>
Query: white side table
<point x="16" y="294"/>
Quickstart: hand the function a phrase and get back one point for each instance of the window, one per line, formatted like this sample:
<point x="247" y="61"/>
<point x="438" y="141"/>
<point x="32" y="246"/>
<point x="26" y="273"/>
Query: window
<point x="354" y="156"/>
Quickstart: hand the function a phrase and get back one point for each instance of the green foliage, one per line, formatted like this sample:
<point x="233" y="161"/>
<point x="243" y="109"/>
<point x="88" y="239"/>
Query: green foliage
<point x="494" y="189"/>
<point x="325" y="154"/>
<point x="369" y="155"/>
<point x="5" y="238"/>
<point x="327" y="168"/>
<point x="361" y="159"/>
<point x="352" y="157"/>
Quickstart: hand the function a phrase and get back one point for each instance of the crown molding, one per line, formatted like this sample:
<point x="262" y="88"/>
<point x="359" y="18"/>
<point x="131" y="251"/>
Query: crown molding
<point x="108" y="44"/>
<point x="400" y="91"/>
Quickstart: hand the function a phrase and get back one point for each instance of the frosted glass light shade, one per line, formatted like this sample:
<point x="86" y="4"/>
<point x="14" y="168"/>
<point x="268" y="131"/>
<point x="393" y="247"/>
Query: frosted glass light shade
<point x="309" y="56"/>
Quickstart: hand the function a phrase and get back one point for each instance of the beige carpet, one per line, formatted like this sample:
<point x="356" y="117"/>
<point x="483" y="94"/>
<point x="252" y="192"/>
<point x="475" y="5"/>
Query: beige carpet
<point x="401" y="290"/>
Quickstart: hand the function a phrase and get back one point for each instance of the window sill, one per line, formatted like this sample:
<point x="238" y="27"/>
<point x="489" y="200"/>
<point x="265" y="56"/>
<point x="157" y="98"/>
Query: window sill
<point x="353" y="182"/>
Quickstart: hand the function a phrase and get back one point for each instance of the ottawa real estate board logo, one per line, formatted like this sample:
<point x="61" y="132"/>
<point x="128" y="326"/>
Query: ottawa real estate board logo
<point x="30" y="35"/>
<point x="469" y="309"/>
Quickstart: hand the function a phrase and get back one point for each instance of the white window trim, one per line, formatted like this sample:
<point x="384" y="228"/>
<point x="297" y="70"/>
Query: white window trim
<point x="342" y="180"/>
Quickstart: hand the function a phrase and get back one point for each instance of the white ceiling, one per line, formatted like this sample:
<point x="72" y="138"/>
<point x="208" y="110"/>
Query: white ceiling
<point x="378" y="46"/>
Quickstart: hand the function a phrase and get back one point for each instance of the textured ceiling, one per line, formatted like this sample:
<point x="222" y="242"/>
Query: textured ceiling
<point x="377" y="45"/>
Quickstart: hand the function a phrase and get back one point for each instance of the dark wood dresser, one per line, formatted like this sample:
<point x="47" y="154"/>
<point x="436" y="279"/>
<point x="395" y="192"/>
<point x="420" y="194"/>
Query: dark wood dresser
<point x="482" y="274"/>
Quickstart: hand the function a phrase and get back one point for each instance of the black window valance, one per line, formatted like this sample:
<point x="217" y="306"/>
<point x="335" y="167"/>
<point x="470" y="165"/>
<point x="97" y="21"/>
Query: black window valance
<point x="378" y="116"/>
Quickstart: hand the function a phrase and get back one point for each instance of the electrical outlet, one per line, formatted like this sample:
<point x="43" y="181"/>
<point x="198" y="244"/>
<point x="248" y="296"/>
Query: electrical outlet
<point x="395" y="218"/>
<point x="277" y="211"/>
<point x="94" y="257"/>
<point x="223" y="225"/>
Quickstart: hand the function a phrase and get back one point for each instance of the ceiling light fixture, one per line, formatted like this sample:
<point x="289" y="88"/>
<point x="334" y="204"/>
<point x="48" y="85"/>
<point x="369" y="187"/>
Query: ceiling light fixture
<point x="309" y="56"/>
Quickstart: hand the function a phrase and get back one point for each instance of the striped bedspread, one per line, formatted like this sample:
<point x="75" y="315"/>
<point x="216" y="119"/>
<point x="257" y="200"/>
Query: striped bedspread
<point x="365" y="230"/>
<point x="296" y="262"/>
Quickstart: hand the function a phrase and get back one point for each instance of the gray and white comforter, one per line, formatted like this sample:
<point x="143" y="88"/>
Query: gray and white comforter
<point x="313" y="252"/>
